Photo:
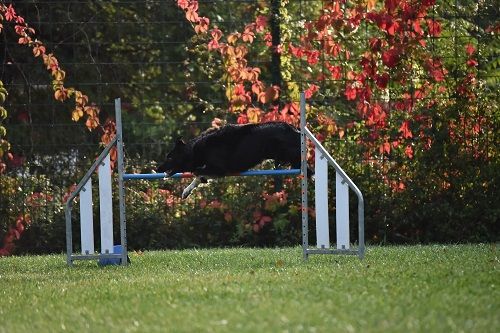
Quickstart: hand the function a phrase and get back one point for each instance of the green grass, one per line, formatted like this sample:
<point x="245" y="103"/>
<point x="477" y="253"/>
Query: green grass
<point x="395" y="289"/>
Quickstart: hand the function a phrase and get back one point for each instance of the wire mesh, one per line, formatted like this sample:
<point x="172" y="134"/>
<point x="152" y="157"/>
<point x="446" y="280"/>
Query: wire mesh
<point x="145" y="53"/>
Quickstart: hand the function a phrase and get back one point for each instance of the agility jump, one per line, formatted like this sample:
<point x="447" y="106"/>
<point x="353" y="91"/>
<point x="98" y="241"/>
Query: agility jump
<point x="117" y="254"/>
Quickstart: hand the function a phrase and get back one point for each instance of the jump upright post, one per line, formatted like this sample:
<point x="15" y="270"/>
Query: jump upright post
<point x="342" y="185"/>
<point x="117" y="254"/>
<point x="110" y="253"/>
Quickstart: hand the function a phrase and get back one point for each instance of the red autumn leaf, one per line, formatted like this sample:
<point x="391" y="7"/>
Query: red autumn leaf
<point x="20" y="29"/>
<point x="378" y="114"/>
<point x="336" y="71"/>
<point x="436" y="70"/>
<point x="278" y="49"/>
<point x="242" y="119"/>
<point x="10" y="13"/>
<point x="312" y="57"/>
<point x="472" y="63"/>
<point x="434" y="27"/>
<point x="417" y="28"/>
<point x="271" y="94"/>
<point x="233" y="38"/>
<point x="419" y="94"/>
<point x="257" y="87"/>
<point x="253" y="115"/>
<point x="61" y="94"/>
<point x="390" y="58"/>
<point x="80" y="98"/>
<point x="260" y="23"/>
<point x="382" y="80"/>
<point x="409" y="151"/>
<point x="20" y="20"/>
<point x="290" y="109"/>
<point x="239" y="89"/>
<point x="250" y="26"/>
<point x="350" y="92"/>
<point x="470" y="49"/>
<point x="50" y="61"/>
<point x="311" y="91"/>
<point x="297" y="52"/>
<point x="216" y="34"/>
<point x="213" y="45"/>
<point x="368" y="65"/>
<point x="391" y="5"/>
<point x="405" y="130"/>
<point x="24" y="40"/>
<point x="248" y="36"/>
<point x="58" y="74"/>
<point x="191" y="15"/>
<point x="268" y="38"/>
<point x="183" y="4"/>
<point x="202" y="25"/>
<point x="38" y="50"/>
<point x="20" y="228"/>
<point x="401" y="186"/>
<point x="392" y="27"/>
<point x="385" y="148"/>
<point x="91" y="123"/>
<point x="331" y="47"/>
<point x="373" y="16"/>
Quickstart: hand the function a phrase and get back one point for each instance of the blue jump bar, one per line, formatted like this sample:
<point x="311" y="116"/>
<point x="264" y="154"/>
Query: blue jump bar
<point x="281" y="172"/>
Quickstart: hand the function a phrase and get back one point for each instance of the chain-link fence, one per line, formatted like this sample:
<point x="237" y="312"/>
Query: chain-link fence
<point x="147" y="53"/>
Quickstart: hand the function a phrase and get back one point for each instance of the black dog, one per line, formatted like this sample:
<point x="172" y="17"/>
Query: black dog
<point x="232" y="149"/>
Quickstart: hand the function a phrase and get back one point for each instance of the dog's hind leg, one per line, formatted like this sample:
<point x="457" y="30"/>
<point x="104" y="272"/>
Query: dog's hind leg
<point x="187" y="191"/>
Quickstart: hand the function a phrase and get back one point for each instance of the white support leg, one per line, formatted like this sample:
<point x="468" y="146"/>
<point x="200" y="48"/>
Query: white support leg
<point x="86" y="219"/>
<point x="106" y="206"/>
<point x="342" y="213"/>
<point x="187" y="191"/>
<point x="321" y="197"/>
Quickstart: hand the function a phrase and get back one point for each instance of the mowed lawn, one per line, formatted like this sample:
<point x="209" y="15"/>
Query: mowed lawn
<point x="439" y="288"/>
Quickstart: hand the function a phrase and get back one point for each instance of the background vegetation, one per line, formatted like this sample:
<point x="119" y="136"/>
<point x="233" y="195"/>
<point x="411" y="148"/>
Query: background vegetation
<point x="403" y="93"/>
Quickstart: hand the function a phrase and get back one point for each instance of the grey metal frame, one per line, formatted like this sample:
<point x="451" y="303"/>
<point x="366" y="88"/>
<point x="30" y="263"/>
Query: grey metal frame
<point x="306" y="134"/>
<point x="118" y="142"/>
<point x="121" y="186"/>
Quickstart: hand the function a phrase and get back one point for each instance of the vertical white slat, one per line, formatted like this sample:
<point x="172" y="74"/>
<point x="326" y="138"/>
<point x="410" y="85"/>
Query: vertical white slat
<point x="87" y="219"/>
<point x="106" y="206"/>
<point x="321" y="199"/>
<point x="342" y="212"/>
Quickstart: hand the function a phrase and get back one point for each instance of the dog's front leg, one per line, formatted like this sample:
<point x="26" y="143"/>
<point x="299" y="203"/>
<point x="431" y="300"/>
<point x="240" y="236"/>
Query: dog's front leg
<point x="187" y="191"/>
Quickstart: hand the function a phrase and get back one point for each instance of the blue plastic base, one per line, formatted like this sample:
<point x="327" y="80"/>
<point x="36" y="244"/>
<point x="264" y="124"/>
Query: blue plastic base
<point x="117" y="249"/>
